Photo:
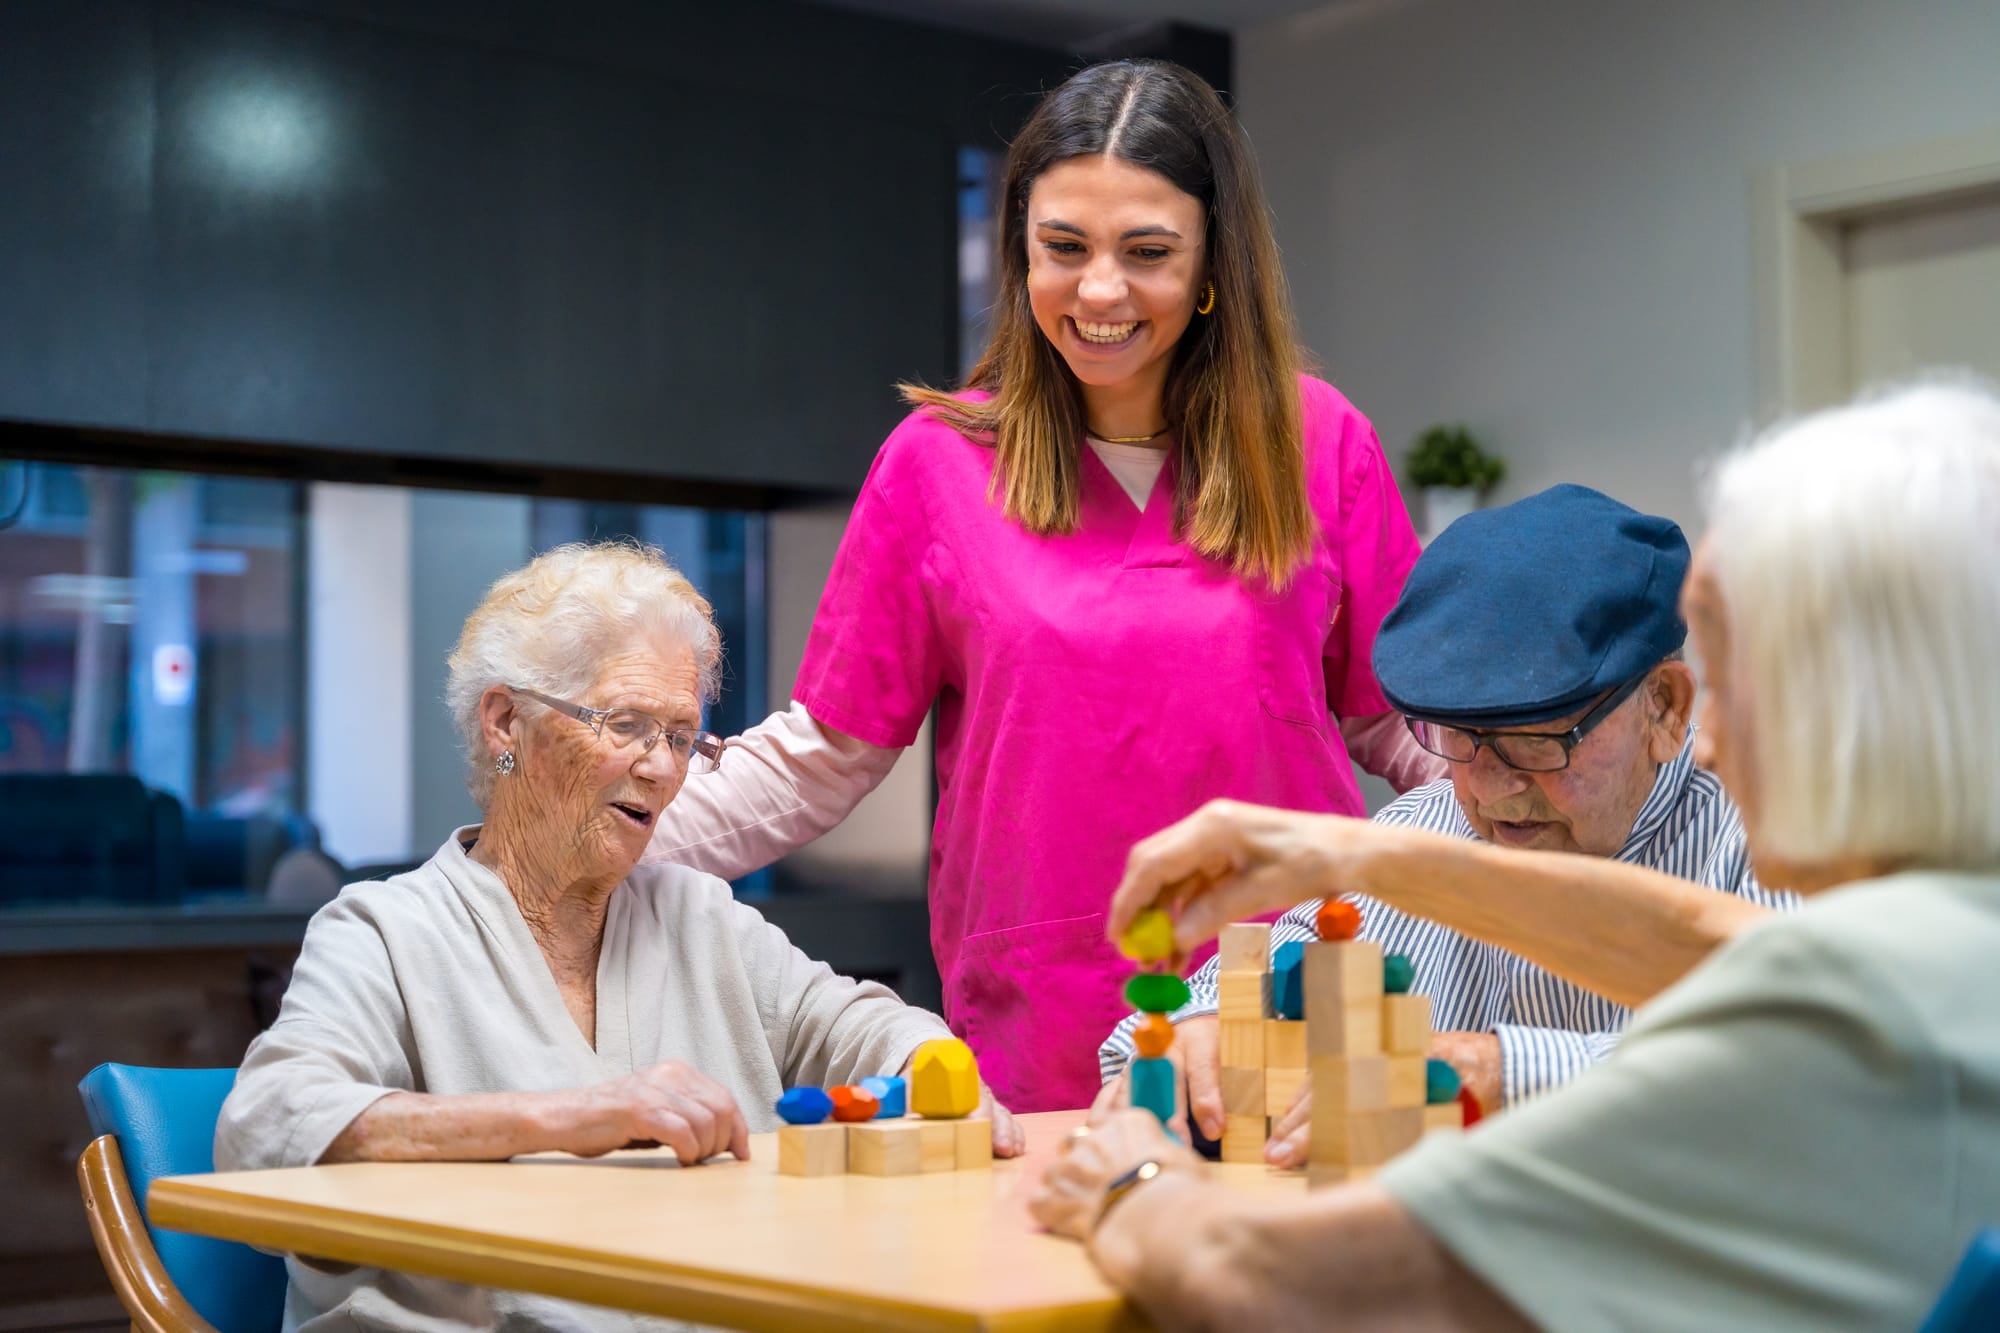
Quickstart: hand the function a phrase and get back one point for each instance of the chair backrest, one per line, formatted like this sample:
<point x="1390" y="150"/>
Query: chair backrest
<point x="1971" y="1300"/>
<point x="164" y="1121"/>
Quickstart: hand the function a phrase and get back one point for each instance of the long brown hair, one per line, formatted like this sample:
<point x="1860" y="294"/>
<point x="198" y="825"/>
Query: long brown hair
<point x="1232" y="389"/>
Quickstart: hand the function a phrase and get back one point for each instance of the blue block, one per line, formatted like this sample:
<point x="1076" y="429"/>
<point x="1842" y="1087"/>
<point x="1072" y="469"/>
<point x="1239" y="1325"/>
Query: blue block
<point x="1153" y="1086"/>
<point x="893" y="1093"/>
<point x="804" y="1106"/>
<point x="1288" y="980"/>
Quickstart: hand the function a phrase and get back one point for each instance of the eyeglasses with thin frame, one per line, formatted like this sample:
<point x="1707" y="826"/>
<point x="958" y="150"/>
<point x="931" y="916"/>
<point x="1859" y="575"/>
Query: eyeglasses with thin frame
<point x="1527" y="751"/>
<point x="696" y="751"/>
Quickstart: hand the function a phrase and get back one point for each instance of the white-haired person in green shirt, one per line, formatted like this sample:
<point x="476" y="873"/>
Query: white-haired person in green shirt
<point x="1803" y="1131"/>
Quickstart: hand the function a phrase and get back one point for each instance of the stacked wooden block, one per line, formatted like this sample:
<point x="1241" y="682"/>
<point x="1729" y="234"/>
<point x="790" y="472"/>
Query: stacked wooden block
<point x="1333" y="1012"/>
<point x="863" y="1129"/>
<point x="1154" y="992"/>
<point x="1368" y="1040"/>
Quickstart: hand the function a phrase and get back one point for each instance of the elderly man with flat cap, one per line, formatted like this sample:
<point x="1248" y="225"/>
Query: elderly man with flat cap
<point x="1536" y="649"/>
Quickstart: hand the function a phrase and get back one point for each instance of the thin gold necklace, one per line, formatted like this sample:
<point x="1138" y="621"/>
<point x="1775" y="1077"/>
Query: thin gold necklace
<point x="1131" y="439"/>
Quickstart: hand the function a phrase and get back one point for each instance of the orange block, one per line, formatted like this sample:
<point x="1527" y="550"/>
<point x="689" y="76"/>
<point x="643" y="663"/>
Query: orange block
<point x="1338" y="920"/>
<point x="1154" y="1035"/>
<point x="852" y="1104"/>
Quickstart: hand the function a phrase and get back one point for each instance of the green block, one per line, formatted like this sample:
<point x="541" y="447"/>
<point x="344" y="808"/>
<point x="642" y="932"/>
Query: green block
<point x="1156" y="992"/>
<point x="1398" y="974"/>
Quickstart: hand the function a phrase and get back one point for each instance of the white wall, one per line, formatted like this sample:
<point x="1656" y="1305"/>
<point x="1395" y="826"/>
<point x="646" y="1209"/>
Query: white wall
<point x="1535" y="216"/>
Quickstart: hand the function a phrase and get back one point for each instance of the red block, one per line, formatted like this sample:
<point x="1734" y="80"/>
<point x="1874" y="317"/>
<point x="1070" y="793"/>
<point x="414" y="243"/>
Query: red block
<point x="1338" y="920"/>
<point x="1466" y="1100"/>
<point x="853" y="1104"/>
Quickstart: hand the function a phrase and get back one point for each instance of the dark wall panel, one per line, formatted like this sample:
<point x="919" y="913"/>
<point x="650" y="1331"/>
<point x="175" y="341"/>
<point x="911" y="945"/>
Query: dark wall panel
<point x="357" y="235"/>
<point x="76" y="156"/>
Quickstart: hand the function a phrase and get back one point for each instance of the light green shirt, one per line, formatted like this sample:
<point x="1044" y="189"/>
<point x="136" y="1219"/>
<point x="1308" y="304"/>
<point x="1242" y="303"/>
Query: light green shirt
<point x="1803" y="1134"/>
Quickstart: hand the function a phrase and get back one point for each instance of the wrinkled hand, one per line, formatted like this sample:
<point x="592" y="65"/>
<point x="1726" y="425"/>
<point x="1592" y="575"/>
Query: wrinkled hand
<point x="671" y="1103"/>
<point x="1476" y="1057"/>
<point x="1291" y="1133"/>
<point x="1009" y="1139"/>
<point x="1070" y="1193"/>
<point x="1229" y="861"/>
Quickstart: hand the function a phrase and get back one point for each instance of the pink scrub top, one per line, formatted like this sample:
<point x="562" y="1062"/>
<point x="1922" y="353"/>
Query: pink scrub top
<point x="1091" y="689"/>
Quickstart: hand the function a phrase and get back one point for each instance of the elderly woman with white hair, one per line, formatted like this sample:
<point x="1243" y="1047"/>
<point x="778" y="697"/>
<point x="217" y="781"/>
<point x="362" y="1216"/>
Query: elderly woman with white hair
<point x="1803" y="1132"/>
<point x="530" y="987"/>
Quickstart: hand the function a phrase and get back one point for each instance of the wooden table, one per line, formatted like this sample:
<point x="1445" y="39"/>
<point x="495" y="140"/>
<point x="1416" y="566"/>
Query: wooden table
<point x="730" y="1243"/>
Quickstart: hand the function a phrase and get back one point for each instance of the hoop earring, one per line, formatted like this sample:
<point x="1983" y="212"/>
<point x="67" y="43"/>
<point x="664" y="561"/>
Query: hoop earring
<point x="504" y="765"/>
<point x="1207" y="300"/>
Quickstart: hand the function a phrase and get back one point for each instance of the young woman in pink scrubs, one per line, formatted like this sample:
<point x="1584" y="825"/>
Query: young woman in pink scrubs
<point x="1137" y="563"/>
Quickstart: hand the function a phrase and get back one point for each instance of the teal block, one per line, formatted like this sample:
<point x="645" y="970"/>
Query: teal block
<point x="1288" y="980"/>
<point x="1153" y="1086"/>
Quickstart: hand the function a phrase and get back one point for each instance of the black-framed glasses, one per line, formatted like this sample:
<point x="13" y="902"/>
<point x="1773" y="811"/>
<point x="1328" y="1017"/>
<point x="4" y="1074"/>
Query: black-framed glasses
<point x="1528" y="751"/>
<point x="696" y="751"/>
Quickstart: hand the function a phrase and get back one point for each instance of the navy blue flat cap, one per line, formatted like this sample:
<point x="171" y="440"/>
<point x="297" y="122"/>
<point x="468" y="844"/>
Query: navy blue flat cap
<point x="1520" y="614"/>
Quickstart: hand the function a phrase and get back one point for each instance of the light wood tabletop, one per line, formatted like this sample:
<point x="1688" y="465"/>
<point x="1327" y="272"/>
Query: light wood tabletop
<point x="731" y="1243"/>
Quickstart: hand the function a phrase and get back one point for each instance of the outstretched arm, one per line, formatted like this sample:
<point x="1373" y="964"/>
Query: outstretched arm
<point x="1619" y="930"/>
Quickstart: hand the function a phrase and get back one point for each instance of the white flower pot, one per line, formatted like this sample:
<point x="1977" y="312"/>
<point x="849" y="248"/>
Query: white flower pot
<point x="1445" y="504"/>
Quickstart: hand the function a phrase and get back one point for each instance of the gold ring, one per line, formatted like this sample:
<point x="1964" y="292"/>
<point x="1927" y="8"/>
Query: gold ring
<point x="1075" y="1136"/>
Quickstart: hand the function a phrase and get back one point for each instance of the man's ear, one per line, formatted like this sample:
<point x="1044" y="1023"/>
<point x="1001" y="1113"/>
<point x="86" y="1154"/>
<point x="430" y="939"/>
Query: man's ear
<point x="1669" y="709"/>
<point x="499" y="720"/>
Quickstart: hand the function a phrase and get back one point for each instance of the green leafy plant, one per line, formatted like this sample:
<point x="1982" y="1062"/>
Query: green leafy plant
<point x="1449" y="456"/>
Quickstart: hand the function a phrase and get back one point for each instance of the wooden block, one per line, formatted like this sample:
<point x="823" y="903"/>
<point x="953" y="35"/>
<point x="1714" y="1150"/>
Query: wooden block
<point x="1354" y="1030"/>
<point x="1242" y="1043"/>
<point x="972" y="1143"/>
<point x="1243" y="1138"/>
<point x="1320" y="1176"/>
<point x="1343" y="983"/>
<point x="903" y="1147"/>
<point x="1281" y="1089"/>
<point x="1448" y="1118"/>
<point x="812" y="1150"/>
<point x="1343" y="1084"/>
<point x="1284" y="1044"/>
<point x="1406" y="1080"/>
<point x="1406" y="1024"/>
<point x="1244" y="947"/>
<point x="1242" y="1091"/>
<point x="1241" y="995"/>
<point x="1364" y="1138"/>
<point x="1338" y="973"/>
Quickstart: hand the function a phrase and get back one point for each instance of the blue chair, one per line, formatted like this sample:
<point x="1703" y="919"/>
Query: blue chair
<point x="161" y="1122"/>
<point x="1971" y="1300"/>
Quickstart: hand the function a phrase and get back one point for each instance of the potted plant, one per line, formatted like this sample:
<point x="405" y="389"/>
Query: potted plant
<point x="1452" y="471"/>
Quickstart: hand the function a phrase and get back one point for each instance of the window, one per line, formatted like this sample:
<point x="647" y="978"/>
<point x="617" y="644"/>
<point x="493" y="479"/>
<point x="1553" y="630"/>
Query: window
<point x="199" y="673"/>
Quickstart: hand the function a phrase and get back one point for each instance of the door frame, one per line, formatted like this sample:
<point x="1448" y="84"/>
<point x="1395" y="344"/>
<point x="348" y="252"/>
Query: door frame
<point x="1799" y="286"/>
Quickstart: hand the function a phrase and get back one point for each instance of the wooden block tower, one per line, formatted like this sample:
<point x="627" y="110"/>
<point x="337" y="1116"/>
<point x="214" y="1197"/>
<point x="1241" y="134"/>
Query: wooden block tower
<point x="1368" y="1040"/>
<point x="863" y="1129"/>
<point x="1246" y="1018"/>
<point x="1154" y="992"/>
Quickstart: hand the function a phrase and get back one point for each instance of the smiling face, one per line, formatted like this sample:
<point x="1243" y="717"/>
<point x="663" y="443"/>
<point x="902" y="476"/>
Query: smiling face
<point x="1590" y="806"/>
<point x="590" y="803"/>
<point x="1116" y="261"/>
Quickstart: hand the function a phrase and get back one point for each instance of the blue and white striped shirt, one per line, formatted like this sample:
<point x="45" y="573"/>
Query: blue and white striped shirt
<point x="1550" y="1031"/>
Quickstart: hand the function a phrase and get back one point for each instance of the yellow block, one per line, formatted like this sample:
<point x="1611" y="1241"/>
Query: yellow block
<point x="944" y="1080"/>
<point x="1150" y="937"/>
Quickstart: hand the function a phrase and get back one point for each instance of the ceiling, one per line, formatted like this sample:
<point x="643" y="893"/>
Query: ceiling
<point x="1062" y="22"/>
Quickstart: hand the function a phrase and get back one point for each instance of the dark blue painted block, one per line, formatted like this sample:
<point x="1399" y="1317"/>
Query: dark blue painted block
<point x="804" y="1106"/>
